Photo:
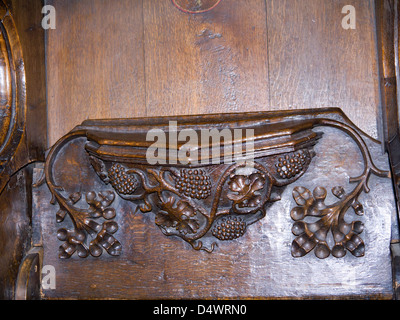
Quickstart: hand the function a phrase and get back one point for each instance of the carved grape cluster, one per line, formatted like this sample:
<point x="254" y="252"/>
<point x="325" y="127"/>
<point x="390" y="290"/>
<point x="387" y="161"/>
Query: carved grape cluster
<point x="292" y="164"/>
<point x="123" y="182"/>
<point x="313" y="235"/>
<point x="87" y="222"/>
<point x="229" y="228"/>
<point x="194" y="183"/>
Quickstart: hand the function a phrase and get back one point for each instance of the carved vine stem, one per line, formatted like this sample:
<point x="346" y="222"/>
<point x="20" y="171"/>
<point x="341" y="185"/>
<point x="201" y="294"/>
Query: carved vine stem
<point x="369" y="166"/>
<point x="163" y="186"/>
<point x="214" y="214"/>
<point x="182" y="206"/>
<point x="84" y="220"/>
<point x="313" y="235"/>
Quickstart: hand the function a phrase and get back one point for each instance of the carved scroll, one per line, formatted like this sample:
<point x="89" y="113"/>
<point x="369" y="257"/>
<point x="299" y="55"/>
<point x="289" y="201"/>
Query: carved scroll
<point x="209" y="202"/>
<point x="13" y="153"/>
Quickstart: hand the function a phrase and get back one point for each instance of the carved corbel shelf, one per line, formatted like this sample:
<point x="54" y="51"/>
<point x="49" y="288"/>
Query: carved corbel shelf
<point x="201" y="196"/>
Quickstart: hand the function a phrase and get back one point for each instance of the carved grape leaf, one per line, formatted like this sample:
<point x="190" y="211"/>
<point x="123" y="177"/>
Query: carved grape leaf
<point x="181" y="217"/>
<point x="244" y="189"/>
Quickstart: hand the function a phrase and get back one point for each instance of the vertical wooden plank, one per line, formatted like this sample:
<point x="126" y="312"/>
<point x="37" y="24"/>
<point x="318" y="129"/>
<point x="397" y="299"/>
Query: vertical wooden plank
<point x="15" y="231"/>
<point x="314" y="62"/>
<point x="205" y="63"/>
<point x="95" y="63"/>
<point x="28" y="16"/>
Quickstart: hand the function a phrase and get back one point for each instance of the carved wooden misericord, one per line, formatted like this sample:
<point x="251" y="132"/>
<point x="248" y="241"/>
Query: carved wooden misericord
<point x="206" y="202"/>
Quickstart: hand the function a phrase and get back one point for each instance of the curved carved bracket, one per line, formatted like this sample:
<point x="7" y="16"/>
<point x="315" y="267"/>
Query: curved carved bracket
<point x="13" y="153"/>
<point x="207" y="202"/>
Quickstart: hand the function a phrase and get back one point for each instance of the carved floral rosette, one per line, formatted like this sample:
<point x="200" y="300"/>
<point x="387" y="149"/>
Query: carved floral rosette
<point x="210" y="203"/>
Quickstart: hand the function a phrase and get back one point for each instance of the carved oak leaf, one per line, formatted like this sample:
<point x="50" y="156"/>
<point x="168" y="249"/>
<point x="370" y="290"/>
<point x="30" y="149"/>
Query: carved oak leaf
<point x="245" y="189"/>
<point x="179" y="217"/>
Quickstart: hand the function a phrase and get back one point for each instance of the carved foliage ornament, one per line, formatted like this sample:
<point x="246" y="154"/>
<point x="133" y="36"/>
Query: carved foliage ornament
<point x="207" y="203"/>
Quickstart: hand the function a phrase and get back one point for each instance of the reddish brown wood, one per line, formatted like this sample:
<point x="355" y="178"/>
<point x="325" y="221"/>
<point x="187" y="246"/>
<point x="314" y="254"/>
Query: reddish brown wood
<point x="314" y="62"/>
<point x="196" y="6"/>
<point x="22" y="129"/>
<point x="120" y="59"/>
<point x="15" y="230"/>
<point x="102" y="42"/>
<point x="107" y="223"/>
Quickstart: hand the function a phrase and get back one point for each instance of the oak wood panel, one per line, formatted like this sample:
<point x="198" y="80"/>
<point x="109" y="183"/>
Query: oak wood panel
<point x="27" y="16"/>
<point x="258" y="264"/>
<point x="141" y="58"/>
<point x="95" y="63"/>
<point x="314" y="62"/>
<point x="27" y="140"/>
<point x="128" y="58"/>
<point x="15" y="231"/>
<point x="207" y="63"/>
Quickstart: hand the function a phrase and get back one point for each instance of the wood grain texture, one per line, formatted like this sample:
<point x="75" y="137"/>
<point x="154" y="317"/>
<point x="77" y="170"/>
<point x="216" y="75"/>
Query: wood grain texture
<point x="15" y="231"/>
<point x="126" y="58"/>
<point x="314" y="62"/>
<point x="208" y="63"/>
<point x="147" y="58"/>
<point x="95" y="63"/>
<point x="257" y="265"/>
<point x="22" y="88"/>
<point x="110" y="59"/>
<point x="27" y="16"/>
<point x="23" y="93"/>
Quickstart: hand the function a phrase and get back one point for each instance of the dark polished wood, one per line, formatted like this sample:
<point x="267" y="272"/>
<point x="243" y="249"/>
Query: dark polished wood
<point x="22" y="88"/>
<point x="195" y="6"/>
<point x="108" y="201"/>
<point x="28" y="283"/>
<point x="15" y="229"/>
<point x="13" y="149"/>
<point x="387" y="22"/>
<point x="311" y="215"/>
<point x="22" y="130"/>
